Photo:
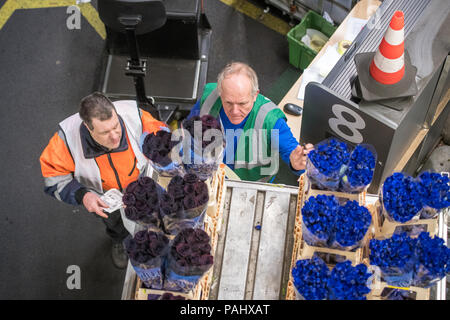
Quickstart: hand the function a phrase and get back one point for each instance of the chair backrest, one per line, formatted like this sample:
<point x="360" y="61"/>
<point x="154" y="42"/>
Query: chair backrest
<point x="116" y="14"/>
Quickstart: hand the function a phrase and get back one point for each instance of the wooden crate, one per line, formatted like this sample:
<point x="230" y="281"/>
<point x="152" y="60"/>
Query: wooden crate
<point x="385" y="228"/>
<point x="212" y="223"/>
<point x="309" y="191"/>
<point x="379" y="287"/>
<point x="301" y="250"/>
<point x="200" y="291"/>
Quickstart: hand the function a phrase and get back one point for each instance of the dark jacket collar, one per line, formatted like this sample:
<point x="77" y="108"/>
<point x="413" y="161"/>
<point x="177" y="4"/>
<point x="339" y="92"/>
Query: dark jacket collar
<point x="92" y="149"/>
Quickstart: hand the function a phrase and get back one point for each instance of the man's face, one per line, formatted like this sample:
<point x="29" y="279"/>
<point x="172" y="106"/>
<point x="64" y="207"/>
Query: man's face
<point x="108" y="132"/>
<point x="237" y="97"/>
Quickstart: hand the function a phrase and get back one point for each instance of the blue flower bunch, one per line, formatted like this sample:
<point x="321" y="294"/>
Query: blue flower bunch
<point x="432" y="260"/>
<point x="396" y="258"/>
<point x="347" y="282"/>
<point x="435" y="190"/>
<point x="329" y="224"/>
<point x="311" y="278"/>
<point x="360" y="170"/>
<point x="352" y="223"/>
<point x="402" y="197"/>
<point x="329" y="156"/>
<point x="319" y="217"/>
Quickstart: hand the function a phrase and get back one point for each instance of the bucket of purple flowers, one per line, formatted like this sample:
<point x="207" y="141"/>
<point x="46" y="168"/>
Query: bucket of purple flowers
<point x="327" y="163"/>
<point x="184" y="204"/>
<point x="147" y="251"/>
<point x="203" y="145"/>
<point x="163" y="148"/>
<point x="141" y="200"/>
<point x="189" y="258"/>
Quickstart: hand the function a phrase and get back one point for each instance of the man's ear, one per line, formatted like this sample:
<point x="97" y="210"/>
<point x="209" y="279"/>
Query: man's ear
<point x="85" y="124"/>
<point x="256" y="96"/>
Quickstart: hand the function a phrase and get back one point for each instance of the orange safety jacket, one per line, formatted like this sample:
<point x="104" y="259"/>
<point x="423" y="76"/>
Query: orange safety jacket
<point x="73" y="163"/>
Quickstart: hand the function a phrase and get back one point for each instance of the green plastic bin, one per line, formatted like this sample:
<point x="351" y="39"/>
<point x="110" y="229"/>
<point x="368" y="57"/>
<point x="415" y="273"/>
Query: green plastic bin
<point x="300" y="55"/>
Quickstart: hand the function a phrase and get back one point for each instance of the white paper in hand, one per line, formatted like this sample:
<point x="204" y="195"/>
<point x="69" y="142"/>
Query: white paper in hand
<point x="113" y="198"/>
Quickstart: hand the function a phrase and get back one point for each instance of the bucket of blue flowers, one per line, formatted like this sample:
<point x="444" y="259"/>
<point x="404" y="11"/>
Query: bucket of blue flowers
<point x="313" y="280"/>
<point x="360" y="169"/>
<point x="395" y="257"/>
<point x="319" y="216"/>
<point x="327" y="223"/>
<point x="432" y="260"/>
<point x="435" y="189"/>
<point x="327" y="163"/>
<point x="352" y="224"/>
<point x="401" y="198"/>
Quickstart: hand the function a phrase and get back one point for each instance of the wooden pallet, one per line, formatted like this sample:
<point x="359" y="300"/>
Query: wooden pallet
<point x="378" y="289"/>
<point x="301" y="250"/>
<point x="385" y="228"/>
<point x="212" y="223"/>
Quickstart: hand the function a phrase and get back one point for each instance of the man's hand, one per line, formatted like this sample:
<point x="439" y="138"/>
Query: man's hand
<point x="94" y="204"/>
<point x="298" y="156"/>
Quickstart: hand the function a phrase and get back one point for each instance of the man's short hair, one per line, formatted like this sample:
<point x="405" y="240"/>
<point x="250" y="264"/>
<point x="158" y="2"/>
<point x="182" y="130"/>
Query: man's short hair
<point x="95" y="105"/>
<point x="236" y="68"/>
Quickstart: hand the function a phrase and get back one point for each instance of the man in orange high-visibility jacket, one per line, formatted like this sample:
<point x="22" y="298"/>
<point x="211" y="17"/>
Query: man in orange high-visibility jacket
<point x="96" y="150"/>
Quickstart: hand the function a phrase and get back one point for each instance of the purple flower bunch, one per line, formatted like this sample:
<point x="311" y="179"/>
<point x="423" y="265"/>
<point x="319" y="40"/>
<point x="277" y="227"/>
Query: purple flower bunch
<point x="206" y="122"/>
<point x="189" y="258"/>
<point x="432" y="260"/>
<point x="360" y="170"/>
<point x="352" y="223"/>
<point x="141" y="199"/>
<point x="319" y="217"/>
<point x="311" y="278"/>
<point x="201" y="161"/>
<point x="187" y="193"/>
<point x="191" y="248"/>
<point x="435" y="190"/>
<point x="146" y="246"/>
<point x="170" y="296"/>
<point x="402" y="197"/>
<point x="347" y="282"/>
<point x="395" y="257"/>
<point x="329" y="156"/>
<point x="157" y="147"/>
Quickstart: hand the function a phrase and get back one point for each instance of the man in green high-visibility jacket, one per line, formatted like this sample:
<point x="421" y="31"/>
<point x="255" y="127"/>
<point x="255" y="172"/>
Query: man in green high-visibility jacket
<point x="256" y="131"/>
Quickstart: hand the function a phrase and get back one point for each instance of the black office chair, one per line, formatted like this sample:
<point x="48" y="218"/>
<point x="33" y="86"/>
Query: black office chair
<point x="135" y="17"/>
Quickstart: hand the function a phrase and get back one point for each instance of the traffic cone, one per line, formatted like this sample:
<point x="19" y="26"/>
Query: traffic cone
<point x="388" y="64"/>
<point x="388" y="72"/>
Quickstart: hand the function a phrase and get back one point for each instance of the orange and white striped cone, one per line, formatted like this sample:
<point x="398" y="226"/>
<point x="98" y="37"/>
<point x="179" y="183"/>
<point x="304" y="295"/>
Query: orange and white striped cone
<point x="387" y="73"/>
<point x="388" y="64"/>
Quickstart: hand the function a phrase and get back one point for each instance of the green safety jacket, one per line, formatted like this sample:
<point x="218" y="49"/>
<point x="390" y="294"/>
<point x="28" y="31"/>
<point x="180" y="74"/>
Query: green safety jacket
<point x="256" y="157"/>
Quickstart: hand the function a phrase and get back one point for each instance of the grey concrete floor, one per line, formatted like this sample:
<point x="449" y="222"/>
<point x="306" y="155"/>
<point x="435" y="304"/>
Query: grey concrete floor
<point x="45" y="69"/>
